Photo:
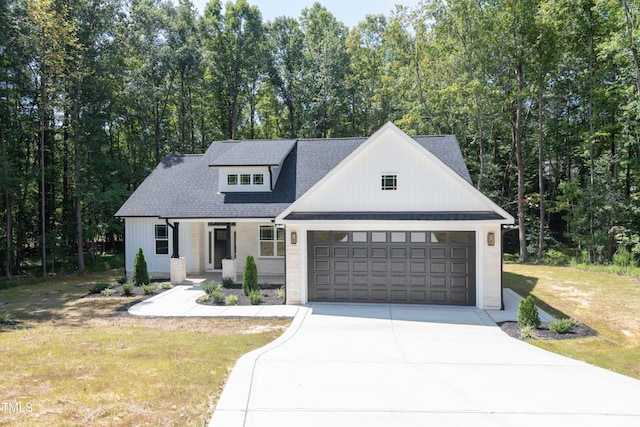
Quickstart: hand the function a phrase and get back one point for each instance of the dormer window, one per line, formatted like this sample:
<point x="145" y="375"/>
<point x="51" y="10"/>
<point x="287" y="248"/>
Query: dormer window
<point x="232" y="179"/>
<point x="258" y="179"/>
<point x="245" y="179"/>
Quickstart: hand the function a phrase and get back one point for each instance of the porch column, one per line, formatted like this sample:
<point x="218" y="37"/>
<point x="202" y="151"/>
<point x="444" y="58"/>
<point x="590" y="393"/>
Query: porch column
<point x="229" y="240"/>
<point x="176" y="237"/>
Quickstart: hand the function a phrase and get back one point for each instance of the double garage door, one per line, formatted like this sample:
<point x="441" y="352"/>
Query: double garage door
<point x="419" y="267"/>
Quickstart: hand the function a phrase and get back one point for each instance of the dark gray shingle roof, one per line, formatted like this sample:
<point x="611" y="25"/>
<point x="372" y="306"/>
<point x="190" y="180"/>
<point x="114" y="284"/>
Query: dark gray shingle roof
<point x="185" y="186"/>
<point x="254" y="153"/>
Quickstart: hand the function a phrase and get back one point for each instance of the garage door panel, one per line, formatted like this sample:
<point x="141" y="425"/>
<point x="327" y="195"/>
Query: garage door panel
<point x="459" y="282"/>
<point x="322" y="266"/>
<point x="321" y="251"/>
<point x="459" y="297"/>
<point x="360" y="279"/>
<point x="341" y="252"/>
<point x="459" y="253"/>
<point x="360" y="266"/>
<point x="418" y="267"/>
<point x="391" y="266"/>
<point x="398" y="295"/>
<point x="398" y="252"/>
<point x="437" y="297"/>
<point x="379" y="295"/>
<point x="378" y="252"/>
<point x="379" y="266"/>
<point x="379" y="281"/>
<point x="438" y="267"/>
<point x="341" y="279"/>
<point x="360" y="252"/>
<point x="340" y="265"/>
<point x="399" y="267"/>
<point x="418" y="252"/>
<point x="419" y="296"/>
<point x="459" y="267"/>
<point x="438" y="253"/>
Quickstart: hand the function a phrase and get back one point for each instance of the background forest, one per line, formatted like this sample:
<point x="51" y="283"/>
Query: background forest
<point x="543" y="96"/>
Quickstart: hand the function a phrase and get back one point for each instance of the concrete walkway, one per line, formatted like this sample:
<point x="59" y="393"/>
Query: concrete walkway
<point x="392" y="365"/>
<point x="180" y="301"/>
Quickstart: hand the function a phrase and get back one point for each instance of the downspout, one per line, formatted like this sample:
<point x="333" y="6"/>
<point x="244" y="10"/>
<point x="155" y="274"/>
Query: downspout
<point x="271" y="180"/>
<point x="502" y="231"/>
<point x="285" y="264"/>
<point x="124" y="245"/>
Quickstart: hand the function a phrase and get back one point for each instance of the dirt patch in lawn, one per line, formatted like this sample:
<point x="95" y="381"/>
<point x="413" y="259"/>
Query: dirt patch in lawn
<point x="543" y="333"/>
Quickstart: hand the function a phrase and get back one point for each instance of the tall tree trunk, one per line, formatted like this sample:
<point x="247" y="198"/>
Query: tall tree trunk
<point x="9" y="219"/>
<point x="77" y="177"/>
<point x="43" y="130"/>
<point x="541" y="222"/>
<point x="632" y="42"/>
<point x="517" y="140"/>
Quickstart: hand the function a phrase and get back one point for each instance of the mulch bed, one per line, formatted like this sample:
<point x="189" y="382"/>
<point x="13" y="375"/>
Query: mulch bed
<point x="269" y="294"/>
<point x="543" y="333"/>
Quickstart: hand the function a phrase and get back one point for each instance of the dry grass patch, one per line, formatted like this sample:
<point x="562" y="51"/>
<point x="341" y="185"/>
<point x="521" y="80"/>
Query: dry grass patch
<point x="608" y="303"/>
<point x="85" y="361"/>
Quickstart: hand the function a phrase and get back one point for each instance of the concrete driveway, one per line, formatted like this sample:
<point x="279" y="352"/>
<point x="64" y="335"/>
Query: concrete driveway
<point x="389" y="365"/>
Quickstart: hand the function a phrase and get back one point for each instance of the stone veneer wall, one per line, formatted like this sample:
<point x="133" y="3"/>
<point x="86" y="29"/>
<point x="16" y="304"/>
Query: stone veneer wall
<point x="247" y="243"/>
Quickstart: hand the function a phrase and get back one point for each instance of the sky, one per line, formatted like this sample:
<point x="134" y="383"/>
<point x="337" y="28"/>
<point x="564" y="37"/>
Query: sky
<point x="349" y="12"/>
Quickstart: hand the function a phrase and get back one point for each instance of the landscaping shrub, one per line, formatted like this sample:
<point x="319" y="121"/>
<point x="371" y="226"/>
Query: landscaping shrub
<point x="99" y="287"/>
<point x="562" y="326"/>
<point x="127" y="289"/>
<point x="231" y="300"/>
<point x="250" y="276"/>
<point x="624" y="257"/>
<point x="209" y="287"/>
<point x="227" y="282"/>
<point x="528" y="313"/>
<point x="122" y="280"/>
<point x="255" y="297"/>
<point x="140" y="273"/>
<point x="281" y="292"/>
<point x="5" y="317"/>
<point x="527" y="332"/>
<point x="148" y="289"/>
<point x="107" y="292"/>
<point x="166" y="285"/>
<point x="218" y="294"/>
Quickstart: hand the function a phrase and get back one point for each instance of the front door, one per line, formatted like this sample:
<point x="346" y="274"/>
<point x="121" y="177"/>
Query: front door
<point x="218" y="247"/>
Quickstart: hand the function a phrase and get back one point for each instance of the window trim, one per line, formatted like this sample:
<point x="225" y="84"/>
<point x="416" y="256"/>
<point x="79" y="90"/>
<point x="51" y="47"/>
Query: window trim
<point x="277" y="232"/>
<point x="389" y="182"/>
<point x="160" y="239"/>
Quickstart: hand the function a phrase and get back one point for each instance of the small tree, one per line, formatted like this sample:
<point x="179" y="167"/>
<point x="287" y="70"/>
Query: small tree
<point x="528" y="313"/>
<point x="140" y="273"/>
<point x="250" y="276"/>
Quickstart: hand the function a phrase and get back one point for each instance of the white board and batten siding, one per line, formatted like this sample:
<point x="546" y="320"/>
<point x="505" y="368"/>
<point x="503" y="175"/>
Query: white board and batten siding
<point x="140" y="233"/>
<point x="423" y="183"/>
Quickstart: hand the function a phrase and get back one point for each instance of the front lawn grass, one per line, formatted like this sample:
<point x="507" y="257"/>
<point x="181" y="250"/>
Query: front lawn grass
<point x="608" y="303"/>
<point x="69" y="360"/>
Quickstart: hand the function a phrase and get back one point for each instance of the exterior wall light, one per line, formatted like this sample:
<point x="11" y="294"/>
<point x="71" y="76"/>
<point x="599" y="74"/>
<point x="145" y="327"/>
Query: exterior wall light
<point x="294" y="237"/>
<point x="491" y="238"/>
